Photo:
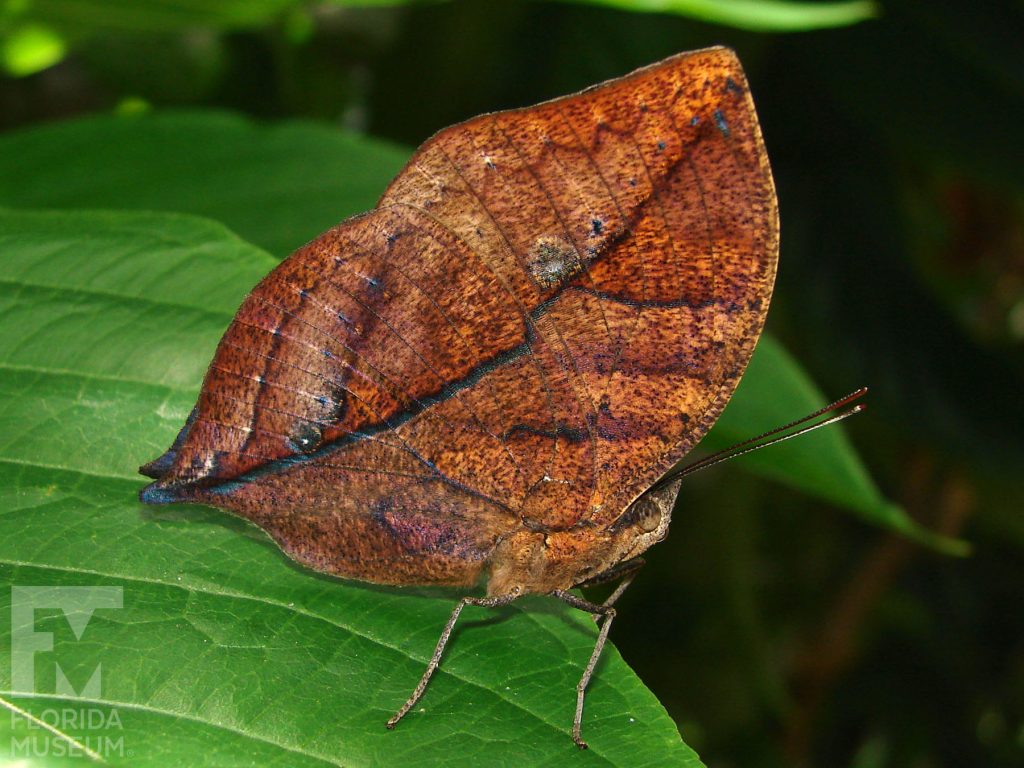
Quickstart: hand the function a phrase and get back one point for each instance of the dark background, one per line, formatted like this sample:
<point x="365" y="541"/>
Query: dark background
<point x="775" y="629"/>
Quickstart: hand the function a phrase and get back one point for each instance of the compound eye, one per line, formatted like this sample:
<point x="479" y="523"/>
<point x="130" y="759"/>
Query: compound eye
<point x="648" y="516"/>
<point x="644" y="514"/>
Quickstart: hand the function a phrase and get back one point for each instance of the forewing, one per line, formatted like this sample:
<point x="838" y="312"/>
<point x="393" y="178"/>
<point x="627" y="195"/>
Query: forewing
<point x="635" y="226"/>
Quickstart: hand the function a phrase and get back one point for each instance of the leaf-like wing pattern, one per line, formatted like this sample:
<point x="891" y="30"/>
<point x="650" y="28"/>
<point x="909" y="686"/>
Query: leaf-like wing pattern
<point x="546" y="310"/>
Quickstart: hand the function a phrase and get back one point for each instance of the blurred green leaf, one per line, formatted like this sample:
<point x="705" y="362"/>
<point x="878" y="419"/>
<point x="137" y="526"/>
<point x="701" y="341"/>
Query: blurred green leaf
<point x="756" y="15"/>
<point x="775" y="391"/>
<point x="226" y="653"/>
<point x="31" y="48"/>
<point x="276" y="185"/>
<point x="155" y="15"/>
<point x="147" y="15"/>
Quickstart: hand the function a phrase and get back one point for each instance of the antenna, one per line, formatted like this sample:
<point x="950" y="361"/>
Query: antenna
<point x="755" y="443"/>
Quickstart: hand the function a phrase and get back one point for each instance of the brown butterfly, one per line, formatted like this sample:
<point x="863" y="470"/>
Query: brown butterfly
<point x="487" y="374"/>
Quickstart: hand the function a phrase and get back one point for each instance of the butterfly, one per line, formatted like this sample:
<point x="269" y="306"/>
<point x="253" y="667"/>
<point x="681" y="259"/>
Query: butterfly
<point x="485" y="376"/>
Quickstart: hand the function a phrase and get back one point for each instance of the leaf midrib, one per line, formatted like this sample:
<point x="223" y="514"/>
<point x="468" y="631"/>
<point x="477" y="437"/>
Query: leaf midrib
<point x="121" y="298"/>
<point x="65" y="373"/>
<point x="70" y="470"/>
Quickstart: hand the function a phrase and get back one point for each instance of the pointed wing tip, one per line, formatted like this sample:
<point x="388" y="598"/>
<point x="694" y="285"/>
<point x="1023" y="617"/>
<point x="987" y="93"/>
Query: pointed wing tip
<point x="161" y="465"/>
<point x="158" y="467"/>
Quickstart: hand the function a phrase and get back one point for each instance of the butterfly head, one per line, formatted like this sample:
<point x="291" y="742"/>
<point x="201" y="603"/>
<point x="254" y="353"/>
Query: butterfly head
<point x="644" y="522"/>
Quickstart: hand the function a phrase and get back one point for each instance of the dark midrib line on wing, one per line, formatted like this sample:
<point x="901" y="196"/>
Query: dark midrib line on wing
<point x="386" y="425"/>
<point x="440" y="395"/>
<point x="448" y="390"/>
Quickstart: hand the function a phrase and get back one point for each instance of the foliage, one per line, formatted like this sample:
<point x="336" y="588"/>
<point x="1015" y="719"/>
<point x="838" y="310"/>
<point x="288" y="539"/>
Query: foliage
<point x="774" y="628"/>
<point x="37" y="25"/>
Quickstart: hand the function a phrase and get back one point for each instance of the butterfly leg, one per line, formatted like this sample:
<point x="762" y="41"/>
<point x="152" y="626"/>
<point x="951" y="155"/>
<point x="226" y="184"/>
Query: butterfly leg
<point x="483" y="602"/>
<point x="607" y="611"/>
<point x="626" y="571"/>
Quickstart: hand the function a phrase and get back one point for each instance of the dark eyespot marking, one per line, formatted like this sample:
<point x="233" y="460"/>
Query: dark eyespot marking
<point x="306" y="437"/>
<point x="553" y="262"/>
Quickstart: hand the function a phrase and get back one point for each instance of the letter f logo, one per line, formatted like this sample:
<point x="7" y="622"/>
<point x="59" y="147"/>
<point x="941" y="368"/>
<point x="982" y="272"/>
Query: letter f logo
<point x="77" y="604"/>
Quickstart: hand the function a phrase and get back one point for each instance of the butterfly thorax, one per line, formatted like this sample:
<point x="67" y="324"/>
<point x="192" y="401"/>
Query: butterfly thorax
<point x="541" y="562"/>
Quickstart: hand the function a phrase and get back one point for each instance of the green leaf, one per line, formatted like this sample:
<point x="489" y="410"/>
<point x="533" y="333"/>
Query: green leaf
<point x="757" y="15"/>
<point x="775" y="391"/>
<point x="153" y="16"/>
<point x="278" y="186"/>
<point x="225" y="652"/>
<point x="31" y="48"/>
<point x="147" y="15"/>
